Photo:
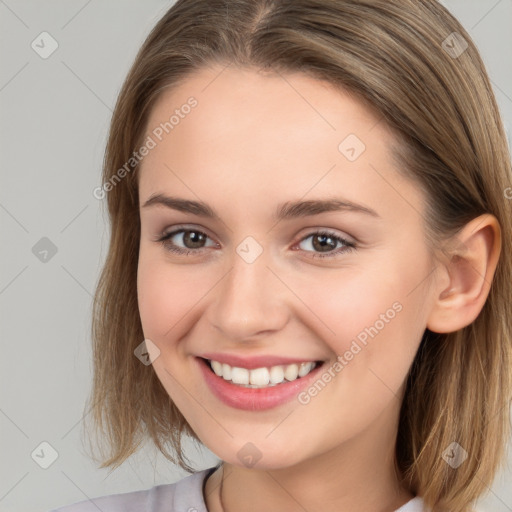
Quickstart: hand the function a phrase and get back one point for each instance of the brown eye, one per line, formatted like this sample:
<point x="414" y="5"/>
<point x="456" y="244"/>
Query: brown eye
<point x="192" y="239"/>
<point x="326" y="242"/>
<point x="323" y="243"/>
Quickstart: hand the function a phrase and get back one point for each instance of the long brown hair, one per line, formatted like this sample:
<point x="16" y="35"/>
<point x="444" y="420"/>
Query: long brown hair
<point x="408" y="61"/>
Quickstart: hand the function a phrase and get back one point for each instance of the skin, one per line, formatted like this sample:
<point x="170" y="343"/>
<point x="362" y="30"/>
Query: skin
<point x="256" y="140"/>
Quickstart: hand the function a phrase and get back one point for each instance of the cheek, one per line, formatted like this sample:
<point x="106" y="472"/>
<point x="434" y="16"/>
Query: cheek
<point x="372" y="315"/>
<point x="164" y="295"/>
<point x="171" y="297"/>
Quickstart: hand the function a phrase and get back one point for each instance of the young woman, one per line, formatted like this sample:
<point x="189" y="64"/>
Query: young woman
<point x="310" y="265"/>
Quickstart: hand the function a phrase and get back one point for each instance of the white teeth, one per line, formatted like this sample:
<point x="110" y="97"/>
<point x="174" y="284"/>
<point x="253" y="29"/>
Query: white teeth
<point x="261" y="377"/>
<point x="226" y="371"/>
<point x="276" y="374"/>
<point x="291" y="372"/>
<point x="305" y="368"/>
<point x="239" y="375"/>
<point x="216" y="367"/>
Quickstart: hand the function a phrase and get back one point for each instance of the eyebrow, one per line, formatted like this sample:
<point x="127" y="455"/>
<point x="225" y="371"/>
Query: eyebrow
<point x="288" y="210"/>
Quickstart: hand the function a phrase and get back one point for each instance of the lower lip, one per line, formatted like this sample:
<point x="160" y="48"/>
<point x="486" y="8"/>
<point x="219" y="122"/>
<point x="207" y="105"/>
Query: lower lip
<point x="254" y="399"/>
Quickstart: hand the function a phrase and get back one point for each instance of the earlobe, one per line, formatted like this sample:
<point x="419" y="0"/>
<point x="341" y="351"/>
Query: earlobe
<point x="471" y="260"/>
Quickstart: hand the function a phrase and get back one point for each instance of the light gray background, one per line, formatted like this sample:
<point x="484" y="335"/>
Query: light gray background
<point x="55" y="115"/>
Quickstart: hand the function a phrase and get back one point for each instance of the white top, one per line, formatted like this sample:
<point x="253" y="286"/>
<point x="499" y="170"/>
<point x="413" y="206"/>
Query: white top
<point x="186" y="495"/>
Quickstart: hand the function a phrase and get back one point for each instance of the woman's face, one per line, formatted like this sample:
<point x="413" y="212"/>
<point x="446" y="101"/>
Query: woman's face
<point x="254" y="283"/>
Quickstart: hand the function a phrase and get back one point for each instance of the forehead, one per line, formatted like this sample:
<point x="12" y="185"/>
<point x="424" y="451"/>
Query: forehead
<point x="271" y="99"/>
<point x="253" y="133"/>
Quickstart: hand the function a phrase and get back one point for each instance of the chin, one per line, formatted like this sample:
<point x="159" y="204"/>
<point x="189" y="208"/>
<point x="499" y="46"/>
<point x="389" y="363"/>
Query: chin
<point x="259" y="455"/>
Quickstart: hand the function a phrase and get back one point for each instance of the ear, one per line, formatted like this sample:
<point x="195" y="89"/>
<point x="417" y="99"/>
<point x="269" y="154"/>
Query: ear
<point x="468" y="265"/>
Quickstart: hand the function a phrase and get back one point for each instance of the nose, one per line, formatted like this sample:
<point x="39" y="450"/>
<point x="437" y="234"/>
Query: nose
<point x="251" y="300"/>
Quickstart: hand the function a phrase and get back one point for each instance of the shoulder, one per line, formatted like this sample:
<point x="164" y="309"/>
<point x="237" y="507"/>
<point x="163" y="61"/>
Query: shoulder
<point x="418" y="505"/>
<point x="414" y="505"/>
<point x="184" y="495"/>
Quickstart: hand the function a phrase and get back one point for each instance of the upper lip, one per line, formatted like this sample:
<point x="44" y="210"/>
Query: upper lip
<point x="255" y="361"/>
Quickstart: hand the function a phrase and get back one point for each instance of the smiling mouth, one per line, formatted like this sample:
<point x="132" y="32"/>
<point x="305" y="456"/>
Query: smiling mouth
<point x="263" y="377"/>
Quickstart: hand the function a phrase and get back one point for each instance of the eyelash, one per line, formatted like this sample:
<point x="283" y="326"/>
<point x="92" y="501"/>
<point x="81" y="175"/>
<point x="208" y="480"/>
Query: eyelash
<point x="348" y="246"/>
